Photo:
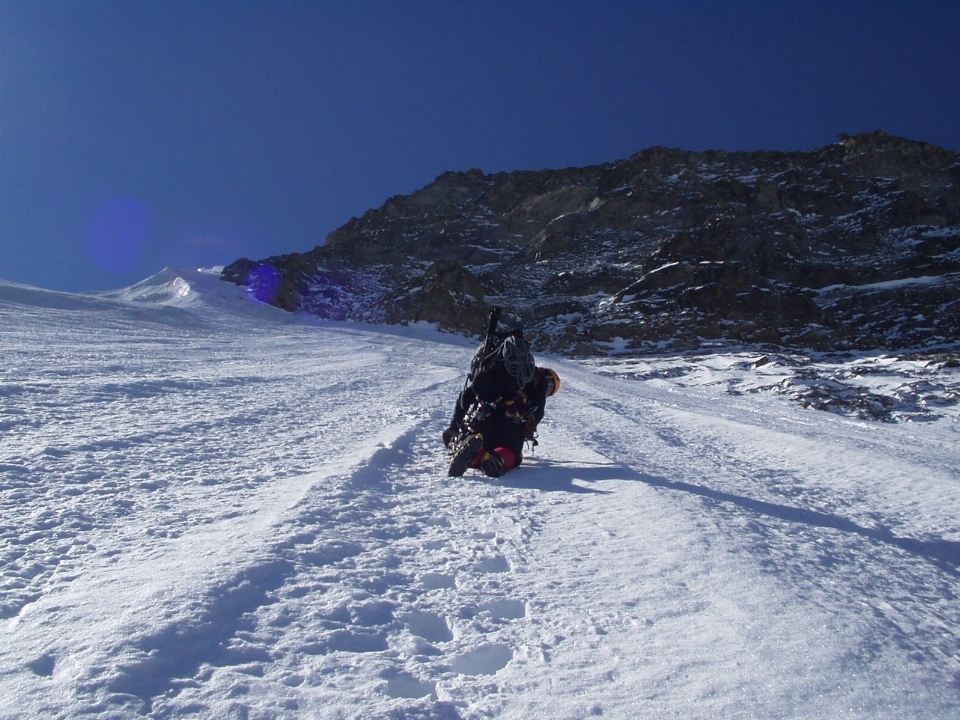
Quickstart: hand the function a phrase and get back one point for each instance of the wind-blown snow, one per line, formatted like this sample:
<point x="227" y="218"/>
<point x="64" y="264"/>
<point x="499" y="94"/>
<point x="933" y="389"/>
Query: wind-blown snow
<point x="210" y="508"/>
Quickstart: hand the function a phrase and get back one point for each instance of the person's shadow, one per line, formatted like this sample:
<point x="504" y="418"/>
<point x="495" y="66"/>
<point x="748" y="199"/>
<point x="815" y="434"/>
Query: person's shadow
<point x="943" y="553"/>
<point x="569" y="476"/>
<point x="562" y="476"/>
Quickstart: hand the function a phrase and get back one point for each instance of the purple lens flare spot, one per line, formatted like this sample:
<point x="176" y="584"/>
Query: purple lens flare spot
<point x="263" y="284"/>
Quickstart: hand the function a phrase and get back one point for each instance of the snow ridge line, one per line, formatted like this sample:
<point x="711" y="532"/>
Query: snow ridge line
<point x="179" y="651"/>
<point x="790" y="512"/>
<point x="711" y="445"/>
<point x="195" y="579"/>
<point x="401" y="573"/>
<point x="395" y="584"/>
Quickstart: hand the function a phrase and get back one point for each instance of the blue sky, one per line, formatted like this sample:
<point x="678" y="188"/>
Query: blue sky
<point x="137" y="135"/>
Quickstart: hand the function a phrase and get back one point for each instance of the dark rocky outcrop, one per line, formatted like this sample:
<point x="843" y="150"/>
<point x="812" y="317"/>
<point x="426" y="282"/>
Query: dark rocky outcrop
<point x="852" y="246"/>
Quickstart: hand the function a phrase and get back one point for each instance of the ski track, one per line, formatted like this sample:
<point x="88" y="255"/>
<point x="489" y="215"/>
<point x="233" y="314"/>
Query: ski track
<point x="251" y="518"/>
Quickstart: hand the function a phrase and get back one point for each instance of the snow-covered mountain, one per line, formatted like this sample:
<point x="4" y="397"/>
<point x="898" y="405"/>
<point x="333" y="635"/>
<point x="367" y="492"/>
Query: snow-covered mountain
<point x="213" y="508"/>
<point x="853" y="246"/>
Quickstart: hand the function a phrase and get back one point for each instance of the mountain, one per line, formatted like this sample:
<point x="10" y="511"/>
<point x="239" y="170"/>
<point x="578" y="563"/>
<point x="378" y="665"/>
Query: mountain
<point x="851" y="246"/>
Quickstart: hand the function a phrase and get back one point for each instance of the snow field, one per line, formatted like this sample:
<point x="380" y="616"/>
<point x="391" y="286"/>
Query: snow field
<point x="213" y="509"/>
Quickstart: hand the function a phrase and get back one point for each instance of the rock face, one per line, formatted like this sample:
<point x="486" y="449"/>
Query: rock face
<point x="852" y="246"/>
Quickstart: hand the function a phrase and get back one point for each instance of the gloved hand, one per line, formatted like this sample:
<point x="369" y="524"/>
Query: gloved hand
<point x="449" y="434"/>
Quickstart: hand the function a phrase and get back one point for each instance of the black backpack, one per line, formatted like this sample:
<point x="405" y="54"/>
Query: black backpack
<point x="502" y="365"/>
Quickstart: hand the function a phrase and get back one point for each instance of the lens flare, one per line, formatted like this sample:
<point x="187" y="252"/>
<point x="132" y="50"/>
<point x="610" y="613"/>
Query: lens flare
<point x="117" y="234"/>
<point x="263" y="283"/>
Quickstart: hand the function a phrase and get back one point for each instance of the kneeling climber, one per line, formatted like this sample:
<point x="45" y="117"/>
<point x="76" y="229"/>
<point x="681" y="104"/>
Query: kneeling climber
<point x="500" y="406"/>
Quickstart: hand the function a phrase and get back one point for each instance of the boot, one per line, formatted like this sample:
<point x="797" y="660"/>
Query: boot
<point x="492" y="465"/>
<point x="463" y="453"/>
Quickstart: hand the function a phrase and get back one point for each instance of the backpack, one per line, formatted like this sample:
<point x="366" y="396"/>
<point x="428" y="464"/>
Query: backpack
<point x="501" y="367"/>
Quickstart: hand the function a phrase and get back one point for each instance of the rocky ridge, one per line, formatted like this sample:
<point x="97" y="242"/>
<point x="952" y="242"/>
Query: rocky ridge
<point x="853" y="246"/>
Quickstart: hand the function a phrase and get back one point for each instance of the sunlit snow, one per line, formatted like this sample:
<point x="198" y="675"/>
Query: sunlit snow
<point x="211" y="508"/>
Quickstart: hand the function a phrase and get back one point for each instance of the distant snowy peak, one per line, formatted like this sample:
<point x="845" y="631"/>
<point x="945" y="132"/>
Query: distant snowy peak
<point x="852" y="246"/>
<point x="168" y="287"/>
<point x="176" y="298"/>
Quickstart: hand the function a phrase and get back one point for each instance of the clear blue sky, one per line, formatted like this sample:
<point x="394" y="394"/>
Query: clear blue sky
<point x="140" y="134"/>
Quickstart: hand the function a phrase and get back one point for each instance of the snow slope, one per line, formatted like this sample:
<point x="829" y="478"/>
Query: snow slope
<point x="210" y="508"/>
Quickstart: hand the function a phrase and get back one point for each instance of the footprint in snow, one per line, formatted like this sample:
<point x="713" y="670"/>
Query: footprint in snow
<point x="437" y="581"/>
<point x="404" y="685"/>
<point x="43" y="665"/>
<point x="484" y="660"/>
<point x="493" y="564"/>
<point x="505" y="609"/>
<point x="429" y="626"/>
<point x="355" y="642"/>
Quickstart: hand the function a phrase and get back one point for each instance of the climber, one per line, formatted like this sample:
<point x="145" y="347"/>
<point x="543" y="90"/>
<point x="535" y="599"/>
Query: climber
<point x="500" y="406"/>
